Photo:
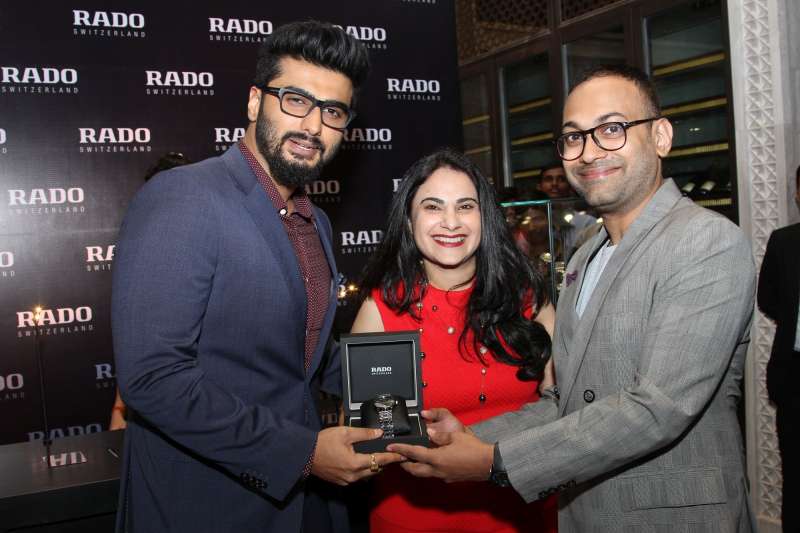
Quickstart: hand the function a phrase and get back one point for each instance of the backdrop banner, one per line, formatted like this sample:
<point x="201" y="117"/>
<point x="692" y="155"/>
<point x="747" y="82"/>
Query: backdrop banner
<point x="92" y="93"/>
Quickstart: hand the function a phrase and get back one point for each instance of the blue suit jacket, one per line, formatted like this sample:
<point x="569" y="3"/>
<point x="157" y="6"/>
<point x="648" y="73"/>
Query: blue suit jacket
<point x="208" y="317"/>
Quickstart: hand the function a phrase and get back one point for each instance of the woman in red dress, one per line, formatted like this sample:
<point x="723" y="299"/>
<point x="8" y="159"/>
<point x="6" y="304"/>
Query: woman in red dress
<point x="485" y="325"/>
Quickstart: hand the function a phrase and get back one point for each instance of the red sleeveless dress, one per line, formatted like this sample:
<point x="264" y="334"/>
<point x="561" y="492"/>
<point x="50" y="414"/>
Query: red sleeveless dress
<point x="403" y="503"/>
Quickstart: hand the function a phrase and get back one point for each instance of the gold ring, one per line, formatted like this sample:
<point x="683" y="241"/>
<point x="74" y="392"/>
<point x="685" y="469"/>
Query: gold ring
<point x="374" y="467"/>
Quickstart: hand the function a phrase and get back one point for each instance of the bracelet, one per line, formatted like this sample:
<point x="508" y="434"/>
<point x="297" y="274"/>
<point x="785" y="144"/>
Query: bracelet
<point x="551" y="393"/>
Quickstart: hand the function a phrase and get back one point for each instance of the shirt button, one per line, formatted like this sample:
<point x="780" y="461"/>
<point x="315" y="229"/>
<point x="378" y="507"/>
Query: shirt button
<point x="451" y="330"/>
<point x="283" y="212"/>
<point x="588" y="395"/>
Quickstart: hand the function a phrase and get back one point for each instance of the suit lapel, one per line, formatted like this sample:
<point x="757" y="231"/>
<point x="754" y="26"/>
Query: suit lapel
<point x="664" y="200"/>
<point x="266" y="219"/>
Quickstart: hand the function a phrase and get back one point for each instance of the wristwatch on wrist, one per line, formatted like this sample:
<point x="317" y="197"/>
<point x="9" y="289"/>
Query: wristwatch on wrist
<point x="384" y="404"/>
<point x="498" y="474"/>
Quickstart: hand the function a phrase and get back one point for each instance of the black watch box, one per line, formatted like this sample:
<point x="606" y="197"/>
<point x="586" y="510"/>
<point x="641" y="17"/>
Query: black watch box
<point x="377" y="363"/>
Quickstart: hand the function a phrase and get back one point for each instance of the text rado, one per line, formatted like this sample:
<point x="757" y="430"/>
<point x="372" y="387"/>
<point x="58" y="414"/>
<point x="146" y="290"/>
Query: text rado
<point x="6" y="259"/>
<point x="241" y="26"/>
<point x="3" y="139"/>
<point x="323" y="187"/>
<point x="361" y="238"/>
<point x="71" y="431"/>
<point x="171" y="78"/>
<point x="39" y="75"/>
<point x="405" y="85"/>
<point x="114" y="135"/>
<point x="95" y="254"/>
<point x="228" y="135"/>
<point x="372" y="38"/>
<point x="104" y="19"/>
<point x="11" y="382"/>
<point x="54" y="317"/>
<point x="368" y="135"/>
<point x="52" y="196"/>
<point x="365" y="33"/>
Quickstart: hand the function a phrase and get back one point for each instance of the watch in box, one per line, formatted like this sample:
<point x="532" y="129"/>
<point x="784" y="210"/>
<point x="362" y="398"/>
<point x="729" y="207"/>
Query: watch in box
<point x="382" y="387"/>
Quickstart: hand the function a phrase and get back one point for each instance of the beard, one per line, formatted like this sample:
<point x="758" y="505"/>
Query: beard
<point x="285" y="171"/>
<point x="619" y="193"/>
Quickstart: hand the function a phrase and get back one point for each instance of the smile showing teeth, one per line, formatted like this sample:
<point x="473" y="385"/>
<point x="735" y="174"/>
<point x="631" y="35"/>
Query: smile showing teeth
<point x="449" y="240"/>
<point x="303" y="145"/>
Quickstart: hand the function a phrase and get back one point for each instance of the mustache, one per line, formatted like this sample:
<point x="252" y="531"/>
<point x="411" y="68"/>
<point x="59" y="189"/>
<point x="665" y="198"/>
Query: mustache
<point x="597" y="165"/>
<point x="307" y="139"/>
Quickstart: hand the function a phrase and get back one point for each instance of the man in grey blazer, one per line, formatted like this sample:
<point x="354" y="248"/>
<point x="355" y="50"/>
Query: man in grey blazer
<point x="651" y="333"/>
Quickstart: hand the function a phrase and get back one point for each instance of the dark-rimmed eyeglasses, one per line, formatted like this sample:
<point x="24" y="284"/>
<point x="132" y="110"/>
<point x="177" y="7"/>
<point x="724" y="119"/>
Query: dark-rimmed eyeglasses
<point x="609" y="136"/>
<point x="298" y="103"/>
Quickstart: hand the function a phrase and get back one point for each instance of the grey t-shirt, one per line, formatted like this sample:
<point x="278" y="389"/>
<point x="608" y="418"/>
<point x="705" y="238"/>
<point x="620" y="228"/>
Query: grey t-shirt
<point x="593" y="273"/>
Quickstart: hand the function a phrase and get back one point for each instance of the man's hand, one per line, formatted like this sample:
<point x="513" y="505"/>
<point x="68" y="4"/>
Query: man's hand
<point x="440" y="420"/>
<point x="336" y="461"/>
<point x="459" y="457"/>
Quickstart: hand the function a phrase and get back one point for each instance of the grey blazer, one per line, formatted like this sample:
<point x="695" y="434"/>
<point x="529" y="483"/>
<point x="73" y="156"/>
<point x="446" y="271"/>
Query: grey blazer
<point x="645" y="437"/>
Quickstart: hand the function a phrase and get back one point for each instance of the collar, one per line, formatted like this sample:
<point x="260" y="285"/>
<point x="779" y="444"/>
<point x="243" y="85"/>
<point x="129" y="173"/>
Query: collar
<point x="302" y="203"/>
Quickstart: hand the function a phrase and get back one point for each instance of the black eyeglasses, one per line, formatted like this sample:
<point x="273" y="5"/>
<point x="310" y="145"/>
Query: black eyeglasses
<point x="299" y="104"/>
<point x="608" y="136"/>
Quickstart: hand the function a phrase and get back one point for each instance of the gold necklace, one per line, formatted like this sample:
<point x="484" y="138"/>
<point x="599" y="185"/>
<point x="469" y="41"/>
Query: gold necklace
<point x="450" y="331"/>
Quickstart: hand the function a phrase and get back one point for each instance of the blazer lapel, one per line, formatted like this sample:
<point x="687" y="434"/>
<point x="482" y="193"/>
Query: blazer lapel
<point x="266" y="219"/>
<point x="664" y="200"/>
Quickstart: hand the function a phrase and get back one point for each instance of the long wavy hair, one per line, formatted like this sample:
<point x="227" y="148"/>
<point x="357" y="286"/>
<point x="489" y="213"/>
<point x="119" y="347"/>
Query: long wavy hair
<point x="505" y="282"/>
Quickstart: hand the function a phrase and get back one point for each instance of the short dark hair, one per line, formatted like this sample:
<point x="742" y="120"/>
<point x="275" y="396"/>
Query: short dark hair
<point x="632" y="74"/>
<point x="319" y="43"/>
<point x="505" y="282"/>
<point x="797" y="177"/>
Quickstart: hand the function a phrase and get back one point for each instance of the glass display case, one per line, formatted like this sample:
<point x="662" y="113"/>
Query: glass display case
<point x="601" y="48"/>
<point x="548" y="232"/>
<point x="527" y="120"/>
<point x="512" y="99"/>
<point x="686" y="55"/>
<point x="477" y="123"/>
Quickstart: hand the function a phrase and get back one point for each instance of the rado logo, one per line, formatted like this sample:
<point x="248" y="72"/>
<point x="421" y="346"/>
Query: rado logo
<point x="103" y="371"/>
<point x="228" y="135"/>
<point x="53" y="317"/>
<point x="380" y="371"/>
<point x="53" y="196"/>
<point x="100" y="253"/>
<point x="358" y="238"/>
<point x="11" y="382"/>
<point x="114" y="135"/>
<point x="105" y="19"/>
<point x="368" y="135"/>
<point x="6" y="259"/>
<point x="244" y="26"/>
<point x="71" y="431"/>
<point x="406" y="85"/>
<point x="365" y="33"/>
<point x="323" y="187"/>
<point x="171" y="78"/>
<point x="2" y="136"/>
<point x="38" y="75"/>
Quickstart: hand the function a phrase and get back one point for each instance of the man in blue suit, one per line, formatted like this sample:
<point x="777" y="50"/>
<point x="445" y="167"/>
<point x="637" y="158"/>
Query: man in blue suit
<point x="223" y="301"/>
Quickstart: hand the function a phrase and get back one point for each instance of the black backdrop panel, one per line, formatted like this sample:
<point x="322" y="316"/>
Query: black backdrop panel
<point x="79" y="127"/>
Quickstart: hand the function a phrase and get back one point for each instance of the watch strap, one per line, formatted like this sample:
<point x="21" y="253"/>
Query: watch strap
<point x="498" y="474"/>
